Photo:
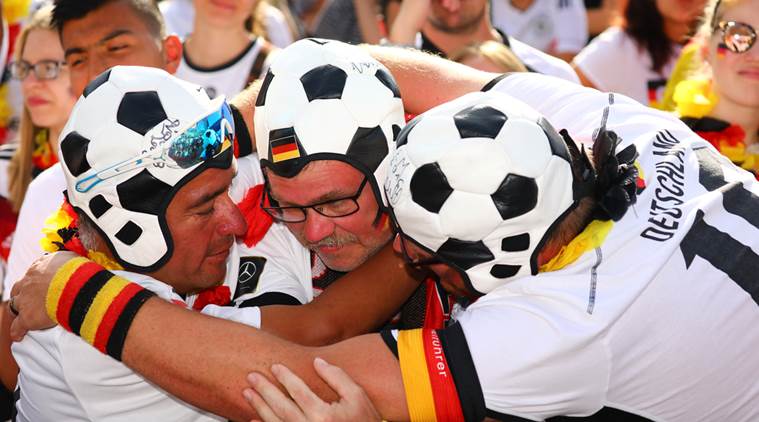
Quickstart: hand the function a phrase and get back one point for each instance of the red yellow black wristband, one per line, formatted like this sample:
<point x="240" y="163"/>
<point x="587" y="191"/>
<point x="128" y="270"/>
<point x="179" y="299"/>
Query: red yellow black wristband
<point x="95" y="304"/>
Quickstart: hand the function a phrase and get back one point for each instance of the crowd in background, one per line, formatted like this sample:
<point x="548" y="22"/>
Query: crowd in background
<point x="668" y="54"/>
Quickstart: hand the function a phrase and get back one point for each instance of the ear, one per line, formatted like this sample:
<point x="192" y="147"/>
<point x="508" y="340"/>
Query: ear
<point x="172" y="53"/>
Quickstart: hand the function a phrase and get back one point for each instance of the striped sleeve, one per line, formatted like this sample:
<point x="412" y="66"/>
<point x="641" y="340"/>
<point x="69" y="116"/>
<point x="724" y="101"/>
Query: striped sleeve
<point x="439" y="377"/>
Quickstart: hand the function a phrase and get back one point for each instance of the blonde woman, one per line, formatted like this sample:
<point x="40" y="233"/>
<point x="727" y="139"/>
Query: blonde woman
<point x="489" y="56"/>
<point x="38" y="64"/>
<point x="721" y="101"/>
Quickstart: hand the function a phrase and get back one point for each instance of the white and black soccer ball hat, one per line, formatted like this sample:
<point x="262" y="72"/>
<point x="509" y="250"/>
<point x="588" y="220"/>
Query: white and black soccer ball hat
<point x="478" y="182"/>
<point x="134" y="138"/>
<point x="327" y="100"/>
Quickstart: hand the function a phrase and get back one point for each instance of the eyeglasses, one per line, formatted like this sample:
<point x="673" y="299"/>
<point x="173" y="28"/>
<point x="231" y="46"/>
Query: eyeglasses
<point x="738" y="37"/>
<point x="200" y="142"/>
<point x="402" y="239"/>
<point x="341" y="207"/>
<point x="43" y="69"/>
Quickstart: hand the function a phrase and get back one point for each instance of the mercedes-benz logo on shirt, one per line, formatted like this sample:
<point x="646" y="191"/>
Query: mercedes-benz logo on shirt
<point x="248" y="274"/>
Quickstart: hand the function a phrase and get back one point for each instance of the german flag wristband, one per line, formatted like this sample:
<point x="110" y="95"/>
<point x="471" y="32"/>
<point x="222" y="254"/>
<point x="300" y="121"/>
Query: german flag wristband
<point x="95" y="304"/>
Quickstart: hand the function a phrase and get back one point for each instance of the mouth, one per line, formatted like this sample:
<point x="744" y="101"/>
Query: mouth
<point x="36" y="101"/>
<point x="750" y="73"/>
<point x="223" y="5"/>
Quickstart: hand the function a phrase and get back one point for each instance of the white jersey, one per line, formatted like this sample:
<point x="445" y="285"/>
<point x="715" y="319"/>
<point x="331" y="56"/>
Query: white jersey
<point x="63" y="378"/>
<point x="43" y="197"/>
<point x="658" y="322"/>
<point x="559" y="26"/>
<point x="229" y="78"/>
<point x="614" y="62"/>
<point x="179" y="16"/>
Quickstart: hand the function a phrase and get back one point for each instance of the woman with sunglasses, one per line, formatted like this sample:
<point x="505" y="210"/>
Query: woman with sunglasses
<point x="38" y="64"/>
<point x="721" y="101"/>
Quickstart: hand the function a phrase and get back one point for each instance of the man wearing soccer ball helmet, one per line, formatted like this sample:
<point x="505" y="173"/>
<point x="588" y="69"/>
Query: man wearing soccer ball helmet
<point x="576" y="338"/>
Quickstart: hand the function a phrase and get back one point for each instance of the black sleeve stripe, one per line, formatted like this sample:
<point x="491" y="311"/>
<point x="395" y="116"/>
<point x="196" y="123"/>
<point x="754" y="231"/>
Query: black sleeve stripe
<point x="488" y="86"/>
<point x="271" y="298"/>
<point x="603" y="415"/>
<point x="84" y="298"/>
<point x="115" y="344"/>
<point x="390" y="341"/>
<point x="510" y="418"/>
<point x="463" y="371"/>
<point x="242" y="133"/>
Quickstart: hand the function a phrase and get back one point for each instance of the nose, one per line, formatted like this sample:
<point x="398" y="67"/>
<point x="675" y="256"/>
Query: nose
<point x="95" y="66"/>
<point x="233" y="223"/>
<point x="317" y="227"/>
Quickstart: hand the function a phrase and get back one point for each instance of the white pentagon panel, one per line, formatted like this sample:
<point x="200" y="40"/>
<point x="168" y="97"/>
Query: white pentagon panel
<point x="152" y="79"/>
<point x="284" y="100"/>
<point x="122" y="143"/>
<point x="368" y="99"/>
<point x="526" y="145"/>
<point x="475" y="165"/>
<point x="430" y="138"/>
<point x="298" y="59"/>
<point x="468" y="216"/>
<point x="150" y="239"/>
<point x="324" y="125"/>
<point x="424" y="225"/>
<point x="99" y="110"/>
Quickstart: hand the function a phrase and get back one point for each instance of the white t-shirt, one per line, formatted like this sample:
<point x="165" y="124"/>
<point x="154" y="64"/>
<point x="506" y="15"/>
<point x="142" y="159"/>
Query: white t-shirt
<point x="43" y="197"/>
<point x="548" y="25"/>
<point x="659" y="321"/>
<point x="179" y="16"/>
<point x="613" y="62"/>
<point x="229" y="78"/>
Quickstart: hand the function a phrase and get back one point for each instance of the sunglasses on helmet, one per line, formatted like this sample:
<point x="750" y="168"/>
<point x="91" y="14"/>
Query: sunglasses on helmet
<point x="199" y="142"/>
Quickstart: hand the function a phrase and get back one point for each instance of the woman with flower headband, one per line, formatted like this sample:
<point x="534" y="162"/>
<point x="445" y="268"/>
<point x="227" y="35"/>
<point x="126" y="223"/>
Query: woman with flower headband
<point x="721" y="102"/>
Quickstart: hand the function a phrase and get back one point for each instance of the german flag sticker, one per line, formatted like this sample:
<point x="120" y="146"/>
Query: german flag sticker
<point x="284" y="145"/>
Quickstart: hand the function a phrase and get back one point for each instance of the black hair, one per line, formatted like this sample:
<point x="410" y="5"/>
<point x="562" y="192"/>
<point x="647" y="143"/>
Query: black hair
<point x="645" y="24"/>
<point x="68" y="10"/>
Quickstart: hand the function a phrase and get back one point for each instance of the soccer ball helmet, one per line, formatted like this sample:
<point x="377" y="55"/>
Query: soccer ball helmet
<point x="327" y="100"/>
<point x="479" y="182"/>
<point x="134" y="138"/>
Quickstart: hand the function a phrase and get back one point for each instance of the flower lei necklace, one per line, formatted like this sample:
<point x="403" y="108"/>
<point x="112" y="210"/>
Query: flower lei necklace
<point x="61" y="233"/>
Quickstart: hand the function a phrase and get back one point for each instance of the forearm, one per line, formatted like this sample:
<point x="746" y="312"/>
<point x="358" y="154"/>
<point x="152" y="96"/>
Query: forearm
<point x="366" y="14"/>
<point x="426" y="80"/>
<point x="206" y="365"/>
<point x="245" y="101"/>
<point x="357" y="303"/>
<point x="8" y="366"/>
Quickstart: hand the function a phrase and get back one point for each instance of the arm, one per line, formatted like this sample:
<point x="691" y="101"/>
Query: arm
<point x="426" y="80"/>
<point x="8" y="367"/>
<point x="366" y="14"/>
<point x="357" y="303"/>
<point x="164" y="353"/>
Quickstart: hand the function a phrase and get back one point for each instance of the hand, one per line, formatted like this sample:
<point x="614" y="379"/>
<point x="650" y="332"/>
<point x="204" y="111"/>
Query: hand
<point x="30" y="292"/>
<point x="411" y="17"/>
<point x="303" y="405"/>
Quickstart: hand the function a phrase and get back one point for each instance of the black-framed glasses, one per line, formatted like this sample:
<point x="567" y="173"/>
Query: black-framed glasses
<point x="403" y="238"/>
<point x="43" y="69"/>
<point x="333" y="208"/>
<point x="737" y="37"/>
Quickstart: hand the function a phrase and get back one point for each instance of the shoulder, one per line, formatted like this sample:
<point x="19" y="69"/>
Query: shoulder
<point x="613" y="41"/>
<point x="542" y="62"/>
